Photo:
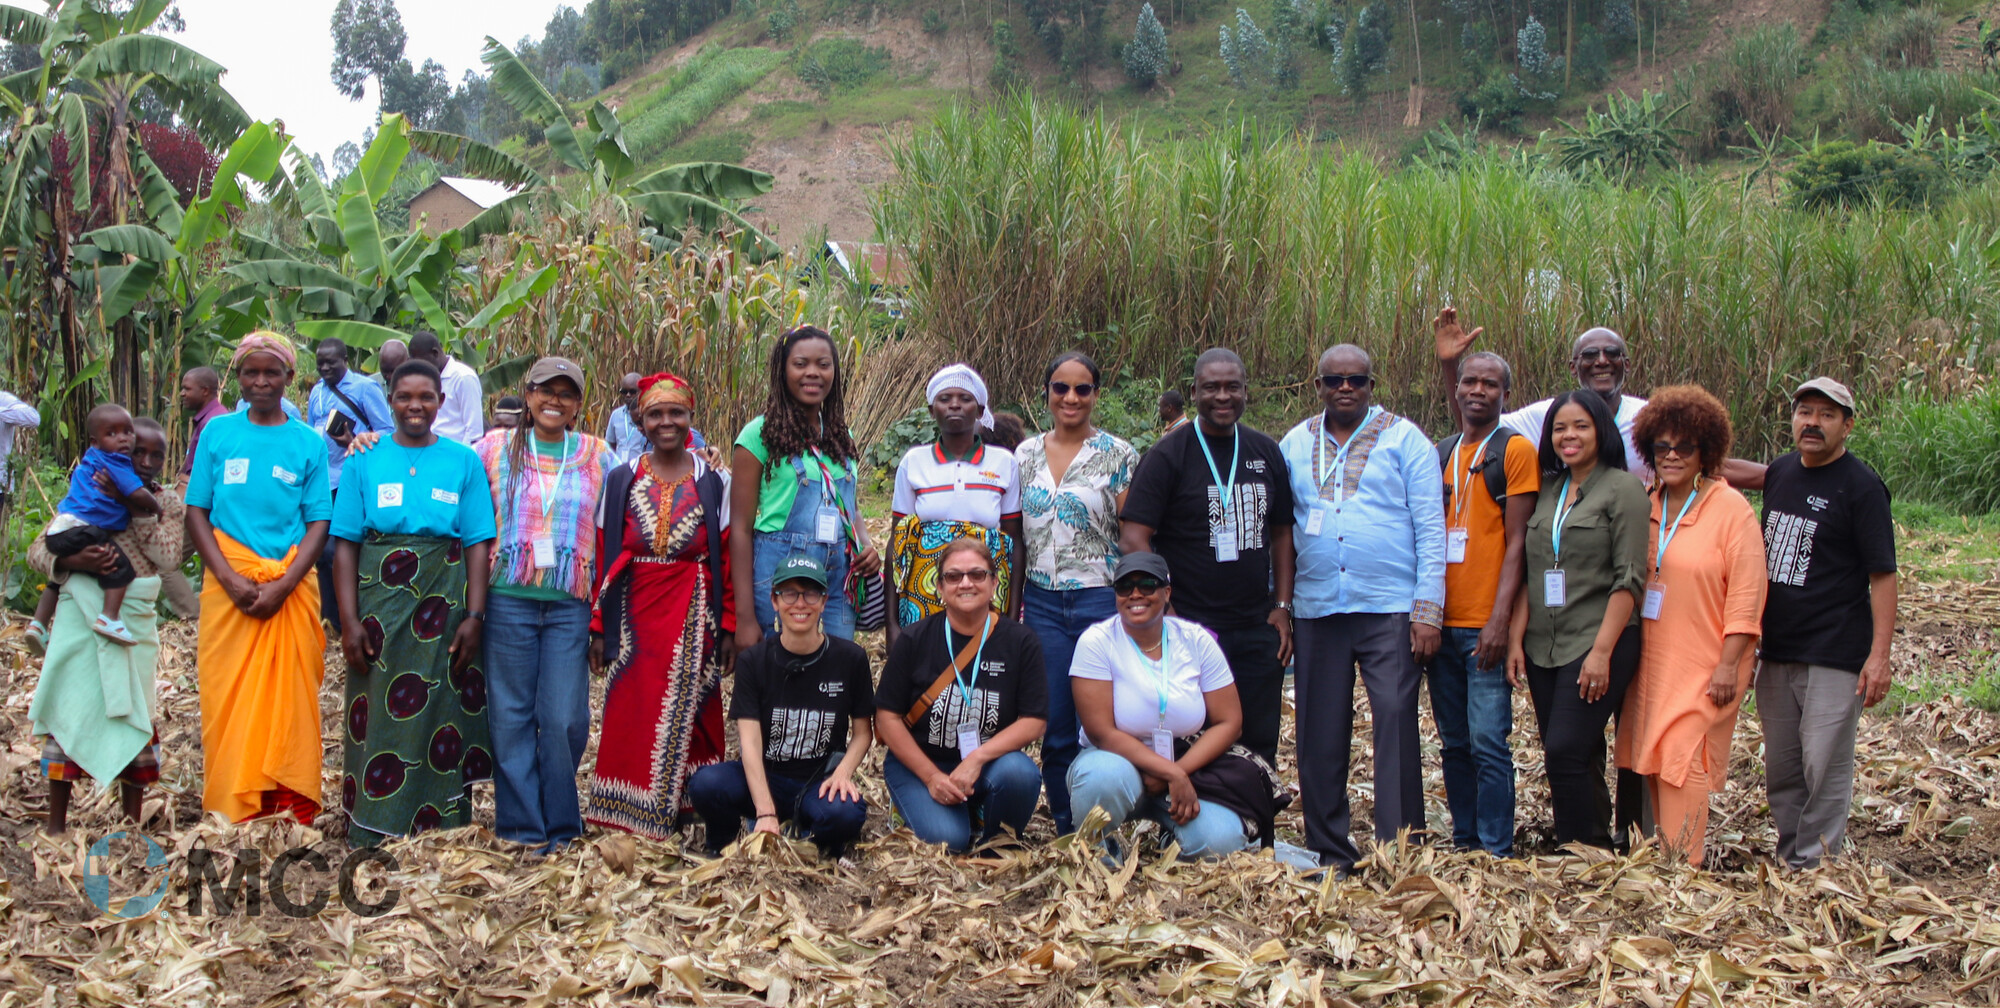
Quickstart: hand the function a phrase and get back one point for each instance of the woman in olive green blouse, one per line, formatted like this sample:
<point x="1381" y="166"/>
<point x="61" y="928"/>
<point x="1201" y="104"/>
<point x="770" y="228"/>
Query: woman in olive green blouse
<point x="1575" y="639"/>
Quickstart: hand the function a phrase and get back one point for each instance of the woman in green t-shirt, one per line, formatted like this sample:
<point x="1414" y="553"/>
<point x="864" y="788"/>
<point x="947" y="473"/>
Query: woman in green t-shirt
<point x="792" y="486"/>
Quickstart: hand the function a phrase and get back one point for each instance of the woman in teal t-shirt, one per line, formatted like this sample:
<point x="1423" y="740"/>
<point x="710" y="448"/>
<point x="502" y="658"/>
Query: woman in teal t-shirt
<point x="792" y="486"/>
<point x="413" y="528"/>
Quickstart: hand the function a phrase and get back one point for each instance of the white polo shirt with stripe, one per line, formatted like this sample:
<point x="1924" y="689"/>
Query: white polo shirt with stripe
<point x="983" y="488"/>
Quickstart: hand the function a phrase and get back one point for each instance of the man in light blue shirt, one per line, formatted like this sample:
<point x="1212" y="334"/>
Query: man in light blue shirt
<point x="620" y="432"/>
<point x="1368" y="500"/>
<point x="359" y="406"/>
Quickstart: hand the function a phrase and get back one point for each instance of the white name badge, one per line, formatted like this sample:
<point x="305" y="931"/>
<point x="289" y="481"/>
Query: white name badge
<point x="968" y="740"/>
<point x="1315" y="521"/>
<point x="284" y="476"/>
<point x="1655" y="594"/>
<point x="236" y="470"/>
<point x="443" y="496"/>
<point x="1225" y="544"/>
<point x="1454" y="545"/>
<point x="388" y="495"/>
<point x="827" y="526"/>
<point x="1163" y="743"/>
<point x="545" y="552"/>
<point x="1555" y="589"/>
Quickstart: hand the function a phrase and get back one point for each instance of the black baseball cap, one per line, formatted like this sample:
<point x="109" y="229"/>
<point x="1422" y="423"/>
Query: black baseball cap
<point x="1142" y="563"/>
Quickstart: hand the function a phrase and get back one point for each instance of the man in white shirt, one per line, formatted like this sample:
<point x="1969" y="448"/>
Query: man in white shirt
<point x="462" y="418"/>
<point x="13" y="413"/>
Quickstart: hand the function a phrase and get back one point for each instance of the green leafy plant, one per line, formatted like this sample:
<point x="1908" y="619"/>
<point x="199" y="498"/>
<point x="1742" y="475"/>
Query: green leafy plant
<point x="841" y="64"/>
<point x="1842" y="173"/>
<point x="1630" y="135"/>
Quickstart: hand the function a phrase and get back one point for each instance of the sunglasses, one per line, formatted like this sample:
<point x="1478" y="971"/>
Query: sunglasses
<point x="1613" y="354"/>
<point x="1142" y="586"/>
<point x="974" y="576"/>
<point x="793" y="596"/>
<point x="1084" y="391"/>
<point x="628" y="392"/>
<point x="1335" y="381"/>
<point x="1686" y="450"/>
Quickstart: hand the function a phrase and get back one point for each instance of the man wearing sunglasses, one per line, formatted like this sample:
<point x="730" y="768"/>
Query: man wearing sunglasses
<point x="621" y="431"/>
<point x="1214" y="500"/>
<point x="1369" y="595"/>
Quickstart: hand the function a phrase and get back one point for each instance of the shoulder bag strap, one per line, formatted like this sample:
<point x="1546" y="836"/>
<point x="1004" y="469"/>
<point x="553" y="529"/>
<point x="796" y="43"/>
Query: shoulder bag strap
<point x="923" y="704"/>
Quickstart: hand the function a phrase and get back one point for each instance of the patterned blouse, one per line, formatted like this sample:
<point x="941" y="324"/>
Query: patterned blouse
<point x="1072" y="528"/>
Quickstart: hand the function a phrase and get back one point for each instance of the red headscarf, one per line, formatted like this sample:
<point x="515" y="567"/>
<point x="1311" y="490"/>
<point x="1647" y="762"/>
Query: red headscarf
<point x="665" y="386"/>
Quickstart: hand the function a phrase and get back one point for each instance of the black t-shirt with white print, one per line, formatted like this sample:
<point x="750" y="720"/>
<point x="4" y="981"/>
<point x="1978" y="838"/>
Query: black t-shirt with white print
<point x="804" y="702"/>
<point x="1826" y="529"/>
<point x="1176" y="495"/>
<point x="1011" y="683"/>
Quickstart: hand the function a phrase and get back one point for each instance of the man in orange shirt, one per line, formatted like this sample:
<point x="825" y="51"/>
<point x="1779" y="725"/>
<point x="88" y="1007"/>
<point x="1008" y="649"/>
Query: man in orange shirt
<point x="1491" y="476"/>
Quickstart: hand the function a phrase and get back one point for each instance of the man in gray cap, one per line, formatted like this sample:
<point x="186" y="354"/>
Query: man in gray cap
<point x="1828" y="621"/>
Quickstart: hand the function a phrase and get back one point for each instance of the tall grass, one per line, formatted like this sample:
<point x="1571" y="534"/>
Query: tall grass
<point x="728" y="74"/>
<point x="1041" y="229"/>
<point x="1941" y="452"/>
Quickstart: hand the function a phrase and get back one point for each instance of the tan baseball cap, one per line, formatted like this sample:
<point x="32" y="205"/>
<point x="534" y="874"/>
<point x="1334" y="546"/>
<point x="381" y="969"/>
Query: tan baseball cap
<point x="549" y="368"/>
<point x="1829" y="388"/>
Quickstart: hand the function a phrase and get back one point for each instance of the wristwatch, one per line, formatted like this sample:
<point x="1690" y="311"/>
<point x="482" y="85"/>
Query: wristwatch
<point x="1286" y="606"/>
<point x="479" y="615"/>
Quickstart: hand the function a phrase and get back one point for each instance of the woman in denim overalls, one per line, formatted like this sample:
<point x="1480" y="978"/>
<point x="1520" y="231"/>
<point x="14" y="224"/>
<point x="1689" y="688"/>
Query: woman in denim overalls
<point x="792" y="486"/>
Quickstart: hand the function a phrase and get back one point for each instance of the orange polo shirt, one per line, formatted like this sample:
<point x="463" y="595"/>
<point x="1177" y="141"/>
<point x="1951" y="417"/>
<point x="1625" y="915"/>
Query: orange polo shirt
<point x="1469" y="586"/>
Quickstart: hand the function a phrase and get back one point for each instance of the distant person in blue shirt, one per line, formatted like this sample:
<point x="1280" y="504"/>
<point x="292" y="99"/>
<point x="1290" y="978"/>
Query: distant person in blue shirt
<point x="344" y="403"/>
<point x="104" y="490"/>
<point x="1368" y="498"/>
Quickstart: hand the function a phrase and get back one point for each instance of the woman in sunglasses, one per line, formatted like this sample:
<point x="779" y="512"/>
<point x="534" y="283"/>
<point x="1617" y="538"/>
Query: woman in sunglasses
<point x="962" y="692"/>
<point x="1155" y="694"/>
<point x="1703" y="611"/>
<point x="1073" y="482"/>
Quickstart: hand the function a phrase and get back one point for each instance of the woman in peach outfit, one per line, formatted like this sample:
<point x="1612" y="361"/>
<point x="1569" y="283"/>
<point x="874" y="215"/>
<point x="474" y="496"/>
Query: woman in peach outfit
<point x="1702" y="611"/>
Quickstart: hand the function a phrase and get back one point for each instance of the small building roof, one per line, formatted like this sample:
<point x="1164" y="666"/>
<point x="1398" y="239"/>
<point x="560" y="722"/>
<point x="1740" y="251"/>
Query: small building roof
<point x="481" y="192"/>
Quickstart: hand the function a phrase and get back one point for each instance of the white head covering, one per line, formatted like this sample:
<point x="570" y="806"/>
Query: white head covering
<point x="961" y="376"/>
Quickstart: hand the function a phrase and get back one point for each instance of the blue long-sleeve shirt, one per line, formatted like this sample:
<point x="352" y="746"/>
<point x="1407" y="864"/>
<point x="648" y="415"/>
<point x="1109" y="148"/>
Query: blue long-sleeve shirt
<point x="1380" y="547"/>
<point x="322" y="404"/>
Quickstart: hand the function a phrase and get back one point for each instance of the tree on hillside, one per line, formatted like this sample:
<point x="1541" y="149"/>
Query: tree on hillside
<point x="368" y="41"/>
<point x="1246" y="51"/>
<point x="1146" y="55"/>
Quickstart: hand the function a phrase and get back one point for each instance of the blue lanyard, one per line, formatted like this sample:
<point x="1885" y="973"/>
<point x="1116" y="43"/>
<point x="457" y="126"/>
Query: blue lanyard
<point x="1159" y="668"/>
<point x="1321" y="473"/>
<point x="1228" y="489"/>
<point x="1667" y="534"/>
<point x="957" y="676"/>
<point x="1458" y="498"/>
<point x="1563" y="508"/>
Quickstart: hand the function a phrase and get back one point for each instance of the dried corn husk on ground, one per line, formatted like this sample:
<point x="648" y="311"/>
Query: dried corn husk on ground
<point x="1914" y="918"/>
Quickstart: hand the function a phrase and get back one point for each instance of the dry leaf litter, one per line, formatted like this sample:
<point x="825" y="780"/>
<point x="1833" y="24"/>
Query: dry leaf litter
<point x="1914" y="919"/>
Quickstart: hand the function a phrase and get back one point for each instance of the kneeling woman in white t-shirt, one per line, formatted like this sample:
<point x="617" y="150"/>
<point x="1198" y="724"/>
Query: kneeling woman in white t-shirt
<point x="1145" y="683"/>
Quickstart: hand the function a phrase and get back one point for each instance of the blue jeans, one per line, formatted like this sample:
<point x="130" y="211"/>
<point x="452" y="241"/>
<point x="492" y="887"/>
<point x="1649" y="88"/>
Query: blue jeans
<point x="1474" y="709"/>
<point x="1110" y="782"/>
<point x="800" y="535"/>
<point x="1004" y="797"/>
<point x="538" y="690"/>
<point x="720" y="794"/>
<point x="1058" y="618"/>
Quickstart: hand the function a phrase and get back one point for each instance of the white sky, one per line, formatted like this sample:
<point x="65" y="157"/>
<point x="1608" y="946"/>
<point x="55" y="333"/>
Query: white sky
<point x="279" y="54"/>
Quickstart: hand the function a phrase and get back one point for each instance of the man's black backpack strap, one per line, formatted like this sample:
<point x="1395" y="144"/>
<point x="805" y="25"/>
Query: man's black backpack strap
<point x="1491" y="464"/>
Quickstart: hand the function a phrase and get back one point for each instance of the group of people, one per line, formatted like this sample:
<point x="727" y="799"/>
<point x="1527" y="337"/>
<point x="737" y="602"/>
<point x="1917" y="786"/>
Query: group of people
<point x="1132" y="615"/>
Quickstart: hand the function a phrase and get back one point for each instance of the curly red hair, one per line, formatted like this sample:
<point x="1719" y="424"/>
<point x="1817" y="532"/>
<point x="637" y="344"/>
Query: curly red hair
<point x="1685" y="412"/>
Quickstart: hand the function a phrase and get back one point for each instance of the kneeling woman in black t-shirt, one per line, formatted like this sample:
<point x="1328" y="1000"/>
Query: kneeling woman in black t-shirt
<point x="962" y="692"/>
<point x="795" y="693"/>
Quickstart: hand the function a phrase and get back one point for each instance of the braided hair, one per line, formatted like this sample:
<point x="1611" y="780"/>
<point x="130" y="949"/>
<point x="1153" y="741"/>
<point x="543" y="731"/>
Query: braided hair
<point x="789" y="429"/>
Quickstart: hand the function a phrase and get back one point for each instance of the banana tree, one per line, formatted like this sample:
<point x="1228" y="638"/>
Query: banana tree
<point x="670" y="199"/>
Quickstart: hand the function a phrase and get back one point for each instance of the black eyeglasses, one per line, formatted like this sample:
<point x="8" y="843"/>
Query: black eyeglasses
<point x="793" y="596"/>
<point x="1610" y="353"/>
<point x="1085" y="390"/>
<point x="1684" y="449"/>
<point x="974" y="576"/>
<point x="1142" y="586"/>
<point x="1334" y="381"/>
<point x="628" y="392"/>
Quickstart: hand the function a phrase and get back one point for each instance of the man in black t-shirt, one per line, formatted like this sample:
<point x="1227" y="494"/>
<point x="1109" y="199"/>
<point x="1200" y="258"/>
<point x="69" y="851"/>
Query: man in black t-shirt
<point x="1215" y="499"/>
<point x="1831" y="551"/>
<point x="797" y="691"/>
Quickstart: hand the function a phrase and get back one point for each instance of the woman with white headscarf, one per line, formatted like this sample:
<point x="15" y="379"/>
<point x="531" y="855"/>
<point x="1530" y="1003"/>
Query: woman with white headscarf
<point x="957" y="486"/>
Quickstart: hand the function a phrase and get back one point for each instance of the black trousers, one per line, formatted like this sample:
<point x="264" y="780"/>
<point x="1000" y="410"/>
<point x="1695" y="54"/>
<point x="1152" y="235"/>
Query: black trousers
<point x="1252" y="653"/>
<point x="1573" y="741"/>
<point x="71" y="541"/>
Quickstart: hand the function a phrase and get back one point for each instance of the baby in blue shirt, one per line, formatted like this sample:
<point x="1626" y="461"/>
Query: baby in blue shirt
<point x="104" y="490"/>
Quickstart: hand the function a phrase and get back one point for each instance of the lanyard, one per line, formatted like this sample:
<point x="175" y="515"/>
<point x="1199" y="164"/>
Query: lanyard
<point x="1667" y="534"/>
<point x="1159" y="668"/>
<point x="1458" y="498"/>
<point x="964" y="688"/>
<point x="1228" y="489"/>
<point x="830" y="492"/>
<point x="548" y="487"/>
<point x="1563" y="508"/>
<point x="1322" y="473"/>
